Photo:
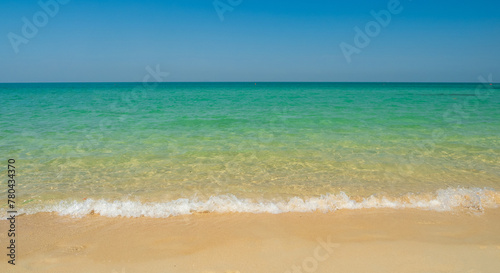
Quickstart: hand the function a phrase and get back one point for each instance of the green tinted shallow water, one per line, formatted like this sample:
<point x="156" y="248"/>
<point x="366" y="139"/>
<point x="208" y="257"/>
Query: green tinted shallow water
<point x="115" y="141"/>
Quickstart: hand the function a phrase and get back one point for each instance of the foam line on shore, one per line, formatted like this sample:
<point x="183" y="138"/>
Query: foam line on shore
<point x="475" y="199"/>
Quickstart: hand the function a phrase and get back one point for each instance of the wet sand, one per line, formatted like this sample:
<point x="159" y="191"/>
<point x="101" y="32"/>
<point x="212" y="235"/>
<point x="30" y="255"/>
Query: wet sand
<point x="369" y="240"/>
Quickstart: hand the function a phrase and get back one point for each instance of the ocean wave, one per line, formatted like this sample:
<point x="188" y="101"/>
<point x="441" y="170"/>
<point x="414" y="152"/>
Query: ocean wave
<point x="475" y="199"/>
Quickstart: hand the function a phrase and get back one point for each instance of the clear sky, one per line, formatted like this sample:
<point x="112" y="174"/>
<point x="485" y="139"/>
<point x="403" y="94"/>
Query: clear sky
<point x="257" y="40"/>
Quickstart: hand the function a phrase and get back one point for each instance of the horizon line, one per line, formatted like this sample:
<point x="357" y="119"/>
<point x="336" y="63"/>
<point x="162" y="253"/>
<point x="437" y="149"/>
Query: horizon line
<point x="382" y="82"/>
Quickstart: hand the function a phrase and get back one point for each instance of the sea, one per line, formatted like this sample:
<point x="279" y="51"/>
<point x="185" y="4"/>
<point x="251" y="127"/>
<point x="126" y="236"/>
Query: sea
<point x="169" y="149"/>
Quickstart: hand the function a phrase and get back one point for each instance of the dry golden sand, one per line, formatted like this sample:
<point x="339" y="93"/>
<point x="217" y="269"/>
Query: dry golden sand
<point x="378" y="240"/>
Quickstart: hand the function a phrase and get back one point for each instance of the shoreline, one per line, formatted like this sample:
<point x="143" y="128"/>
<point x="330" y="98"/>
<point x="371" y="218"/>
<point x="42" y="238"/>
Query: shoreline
<point x="369" y="240"/>
<point x="448" y="199"/>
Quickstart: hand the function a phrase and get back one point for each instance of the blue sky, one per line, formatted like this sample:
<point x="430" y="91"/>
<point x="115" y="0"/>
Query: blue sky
<point x="91" y="40"/>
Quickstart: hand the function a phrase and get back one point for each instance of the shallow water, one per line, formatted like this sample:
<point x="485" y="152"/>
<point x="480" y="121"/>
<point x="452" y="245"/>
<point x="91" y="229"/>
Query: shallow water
<point x="224" y="146"/>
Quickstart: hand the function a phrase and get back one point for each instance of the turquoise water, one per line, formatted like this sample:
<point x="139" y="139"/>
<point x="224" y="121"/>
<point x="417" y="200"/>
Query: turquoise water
<point x="262" y="143"/>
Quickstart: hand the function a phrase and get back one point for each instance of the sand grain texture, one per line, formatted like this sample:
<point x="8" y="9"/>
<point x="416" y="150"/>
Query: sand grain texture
<point x="375" y="240"/>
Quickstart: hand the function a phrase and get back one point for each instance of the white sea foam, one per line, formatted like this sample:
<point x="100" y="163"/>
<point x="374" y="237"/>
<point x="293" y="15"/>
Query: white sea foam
<point x="443" y="200"/>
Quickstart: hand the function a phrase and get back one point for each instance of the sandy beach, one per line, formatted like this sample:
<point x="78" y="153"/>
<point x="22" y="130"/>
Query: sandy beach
<point x="232" y="136"/>
<point x="375" y="240"/>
